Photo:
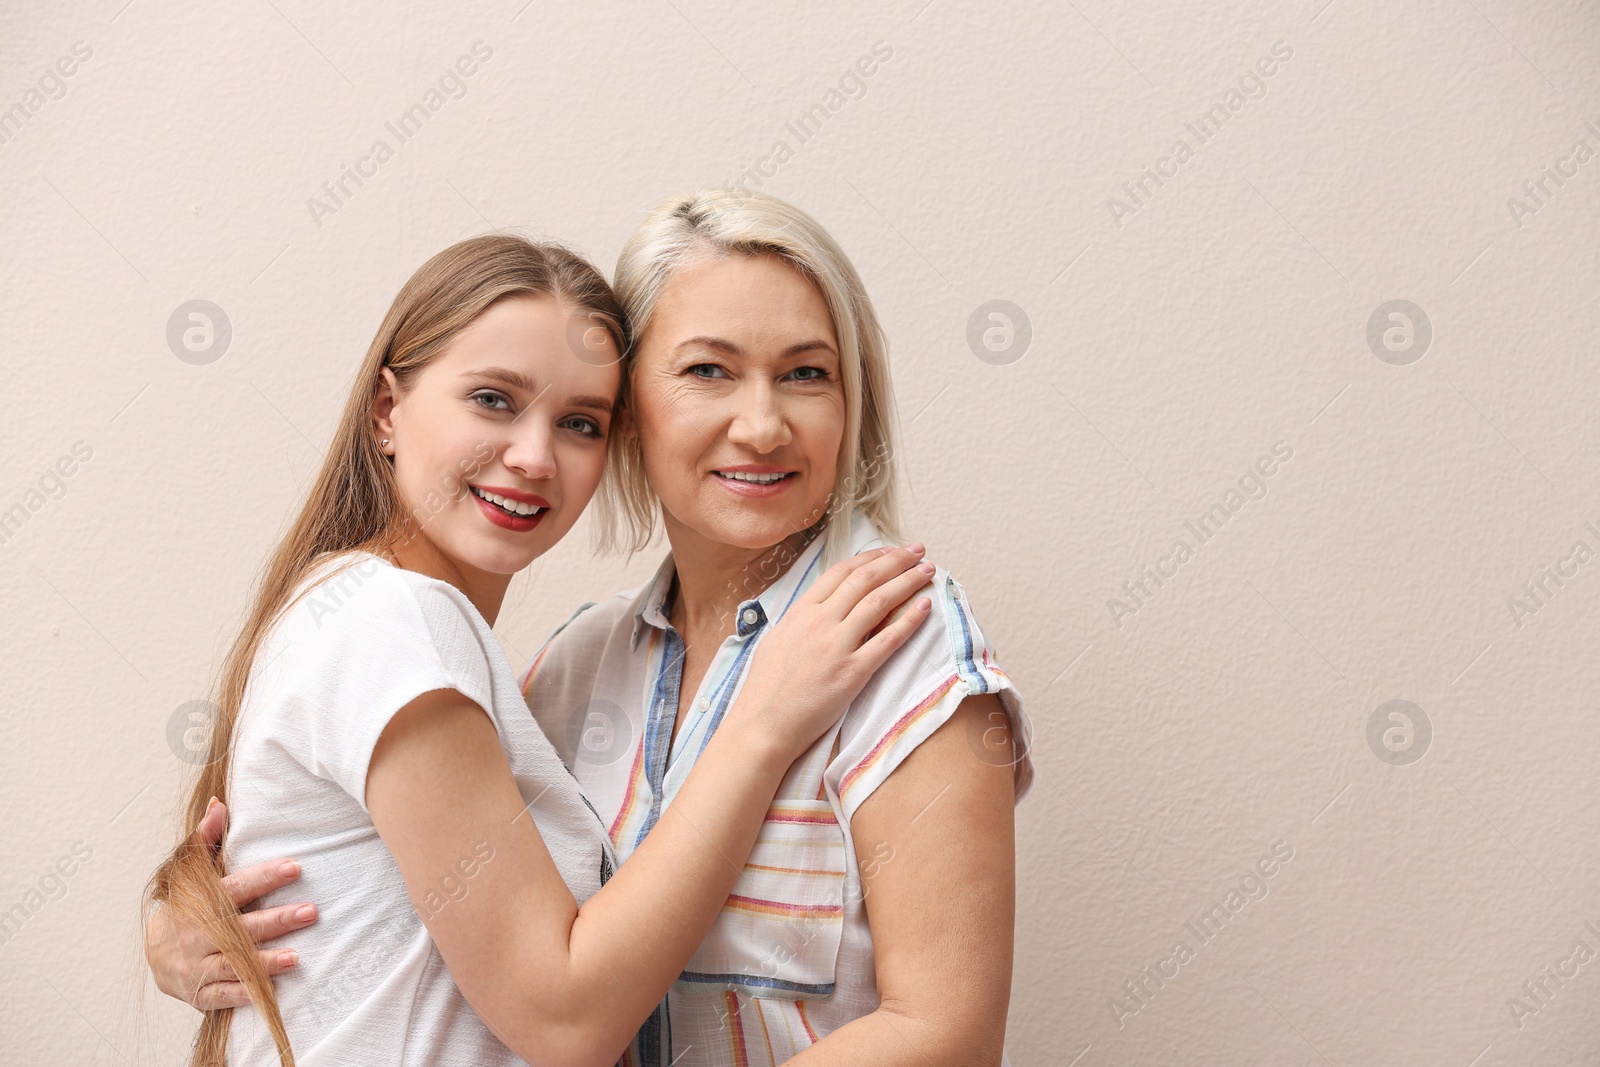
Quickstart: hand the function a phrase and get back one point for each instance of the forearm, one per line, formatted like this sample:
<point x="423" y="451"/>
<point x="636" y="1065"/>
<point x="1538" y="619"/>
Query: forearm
<point x="558" y="984"/>
<point x="659" y="906"/>
<point x="891" y="1037"/>
<point x="576" y="995"/>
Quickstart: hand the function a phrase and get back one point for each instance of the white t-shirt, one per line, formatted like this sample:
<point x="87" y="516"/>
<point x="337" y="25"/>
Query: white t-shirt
<point x="363" y="642"/>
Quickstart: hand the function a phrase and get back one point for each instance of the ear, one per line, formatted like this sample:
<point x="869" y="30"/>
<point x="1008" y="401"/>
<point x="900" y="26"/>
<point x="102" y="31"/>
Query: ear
<point x="383" y="407"/>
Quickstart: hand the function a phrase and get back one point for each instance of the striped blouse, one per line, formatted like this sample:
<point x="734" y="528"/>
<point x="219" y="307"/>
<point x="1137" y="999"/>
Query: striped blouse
<point x="789" y="960"/>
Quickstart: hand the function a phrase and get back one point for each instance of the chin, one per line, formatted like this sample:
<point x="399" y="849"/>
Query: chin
<point x="491" y="555"/>
<point x="755" y="531"/>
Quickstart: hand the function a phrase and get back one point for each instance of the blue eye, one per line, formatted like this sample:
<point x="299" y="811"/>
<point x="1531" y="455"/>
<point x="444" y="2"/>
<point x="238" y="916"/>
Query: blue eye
<point x="585" y="426"/>
<point x="808" y="374"/>
<point x="707" y="370"/>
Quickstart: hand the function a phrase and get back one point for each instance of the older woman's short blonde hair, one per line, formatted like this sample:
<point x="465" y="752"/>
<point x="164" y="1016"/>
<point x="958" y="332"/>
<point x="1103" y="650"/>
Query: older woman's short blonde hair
<point x="727" y="222"/>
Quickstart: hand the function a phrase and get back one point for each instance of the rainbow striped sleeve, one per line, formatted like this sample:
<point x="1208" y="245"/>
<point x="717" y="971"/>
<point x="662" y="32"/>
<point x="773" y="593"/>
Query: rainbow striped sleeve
<point x="917" y="691"/>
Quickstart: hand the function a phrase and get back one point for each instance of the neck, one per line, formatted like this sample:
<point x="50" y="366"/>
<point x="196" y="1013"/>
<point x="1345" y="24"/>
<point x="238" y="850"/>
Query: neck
<point x="714" y="578"/>
<point x="486" y="590"/>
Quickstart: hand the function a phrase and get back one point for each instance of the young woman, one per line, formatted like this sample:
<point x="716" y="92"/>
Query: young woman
<point x="370" y="725"/>
<point x="873" y="921"/>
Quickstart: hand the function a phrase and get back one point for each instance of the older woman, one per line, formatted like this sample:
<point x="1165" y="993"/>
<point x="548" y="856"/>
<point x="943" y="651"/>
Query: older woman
<point x="873" y="920"/>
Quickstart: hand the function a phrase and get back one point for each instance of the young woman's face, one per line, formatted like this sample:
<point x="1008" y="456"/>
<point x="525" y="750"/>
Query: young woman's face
<point x="738" y="402"/>
<point x="499" y="442"/>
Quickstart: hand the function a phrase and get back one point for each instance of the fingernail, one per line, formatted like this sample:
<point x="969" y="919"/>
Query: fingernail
<point x="289" y="869"/>
<point x="288" y="958"/>
<point x="211" y="803"/>
<point x="915" y="547"/>
<point x="925" y="568"/>
<point x="306" y="912"/>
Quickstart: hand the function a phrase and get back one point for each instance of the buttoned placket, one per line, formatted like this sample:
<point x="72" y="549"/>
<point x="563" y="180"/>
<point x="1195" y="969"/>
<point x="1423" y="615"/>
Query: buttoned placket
<point x="705" y="714"/>
<point x="717" y="687"/>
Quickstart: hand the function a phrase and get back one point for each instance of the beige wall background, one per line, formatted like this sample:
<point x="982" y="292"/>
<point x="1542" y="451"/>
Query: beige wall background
<point x="1153" y="353"/>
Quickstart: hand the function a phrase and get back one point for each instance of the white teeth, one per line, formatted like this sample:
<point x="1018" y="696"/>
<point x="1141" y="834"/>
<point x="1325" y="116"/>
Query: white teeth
<point x="758" y="479"/>
<point x="516" y="507"/>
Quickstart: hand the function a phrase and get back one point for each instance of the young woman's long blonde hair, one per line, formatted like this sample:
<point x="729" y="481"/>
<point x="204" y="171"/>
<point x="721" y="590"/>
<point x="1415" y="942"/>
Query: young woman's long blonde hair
<point x="354" y="504"/>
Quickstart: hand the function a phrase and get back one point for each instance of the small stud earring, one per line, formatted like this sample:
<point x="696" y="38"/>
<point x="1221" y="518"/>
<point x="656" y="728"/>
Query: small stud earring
<point x="384" y="443"/>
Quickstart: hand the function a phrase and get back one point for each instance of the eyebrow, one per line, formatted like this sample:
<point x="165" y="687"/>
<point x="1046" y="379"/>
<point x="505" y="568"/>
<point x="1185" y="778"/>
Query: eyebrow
<point x="724" y="345"/>
<point x="515" y="379"/>
<point x="593" y="403"/>
<point x="518" y="380"/>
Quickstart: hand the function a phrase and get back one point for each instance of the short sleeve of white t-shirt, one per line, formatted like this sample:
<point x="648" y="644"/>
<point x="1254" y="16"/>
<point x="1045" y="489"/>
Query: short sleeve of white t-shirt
<point x="341" y="697"/>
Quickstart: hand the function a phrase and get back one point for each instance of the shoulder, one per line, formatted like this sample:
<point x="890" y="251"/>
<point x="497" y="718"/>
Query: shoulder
<point x="360" y="640"/>
<point x="586" y="634"/>
<point x="950" y="645"/>
<point x="341" y="593"/>
<point x="597" y="618"/>
<point x="949" y="658"/>
<point x="950" y="648"/>
<point x="354" y="606"/>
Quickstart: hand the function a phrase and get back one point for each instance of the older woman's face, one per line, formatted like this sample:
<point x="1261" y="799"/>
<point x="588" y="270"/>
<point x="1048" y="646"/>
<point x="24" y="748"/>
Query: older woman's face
<point x="738" y="402"/>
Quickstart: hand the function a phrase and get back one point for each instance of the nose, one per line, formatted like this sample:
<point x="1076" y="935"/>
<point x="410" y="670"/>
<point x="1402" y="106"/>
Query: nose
<point x="530" y="452"/>
<point x="759" y="422"/>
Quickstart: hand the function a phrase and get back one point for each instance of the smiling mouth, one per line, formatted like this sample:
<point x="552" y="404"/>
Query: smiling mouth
<point x="514" y="508"/>
<point x="754" y="479"/>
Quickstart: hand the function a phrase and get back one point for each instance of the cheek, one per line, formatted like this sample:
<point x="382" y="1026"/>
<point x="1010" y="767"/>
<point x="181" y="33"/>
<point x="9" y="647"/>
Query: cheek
<point x="595" y="466"/>
<point x="822" y="430"/>
<point x="667" y="432"/>
<point x="412" y="469"/>
<point x="670" y="477"/>
<point x="441" y="450"/>
<point x="581" y="469"/>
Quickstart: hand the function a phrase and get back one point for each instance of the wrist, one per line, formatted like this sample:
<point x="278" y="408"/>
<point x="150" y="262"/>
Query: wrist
<point x="754" y="724"/>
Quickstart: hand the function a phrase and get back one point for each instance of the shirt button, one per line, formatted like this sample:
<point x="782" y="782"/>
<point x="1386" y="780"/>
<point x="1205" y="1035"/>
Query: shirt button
<point x="750" y="616"/>
<point x="704" y="703"/>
